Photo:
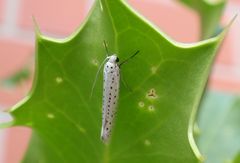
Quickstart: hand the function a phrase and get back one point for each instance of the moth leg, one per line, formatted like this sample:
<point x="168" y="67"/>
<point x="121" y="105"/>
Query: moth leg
<point x="125" y="84"/>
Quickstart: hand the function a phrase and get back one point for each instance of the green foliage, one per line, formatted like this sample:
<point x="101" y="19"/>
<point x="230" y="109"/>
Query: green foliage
<point x="66" y="123"/>
<point x="17" y="78"/>
<point x="210" y="12"/>
<point x="237" y="159"/>
<point x="219" y="123"/>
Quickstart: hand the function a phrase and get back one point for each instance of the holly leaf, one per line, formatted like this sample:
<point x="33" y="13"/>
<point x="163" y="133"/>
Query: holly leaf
<point x="210" y="13"/>
<point x="219" y="124"/>
<point x="154" y="121"/>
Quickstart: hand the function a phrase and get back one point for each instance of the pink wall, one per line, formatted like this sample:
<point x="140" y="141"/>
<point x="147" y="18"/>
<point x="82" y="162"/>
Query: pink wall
<point x="226" y="75"/>
<point x="50" y="17"/>
<point x="177" y="15"/>
<point x="1" y="10"/>
<point x="17" y="46"/>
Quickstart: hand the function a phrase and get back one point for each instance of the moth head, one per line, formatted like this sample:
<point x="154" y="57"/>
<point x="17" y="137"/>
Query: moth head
<point x="113" y="59"/>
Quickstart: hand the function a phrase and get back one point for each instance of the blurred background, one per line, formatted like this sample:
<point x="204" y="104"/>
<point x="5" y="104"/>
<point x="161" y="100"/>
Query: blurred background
<point x="59" y="18"/>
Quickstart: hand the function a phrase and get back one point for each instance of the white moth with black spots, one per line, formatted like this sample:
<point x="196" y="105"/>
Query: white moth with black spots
<point x="111" y="85"/>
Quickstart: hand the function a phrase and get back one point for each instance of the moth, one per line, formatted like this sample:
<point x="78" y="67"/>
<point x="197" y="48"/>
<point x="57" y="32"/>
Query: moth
<point x="111" y="85"/>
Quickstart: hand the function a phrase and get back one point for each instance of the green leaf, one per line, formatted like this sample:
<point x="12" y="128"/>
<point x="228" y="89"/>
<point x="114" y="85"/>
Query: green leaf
<point x="237" y="159"/>
<point x="210" y="12"/>
<point x="151" y="128"/>
<point x="219" y="123"/>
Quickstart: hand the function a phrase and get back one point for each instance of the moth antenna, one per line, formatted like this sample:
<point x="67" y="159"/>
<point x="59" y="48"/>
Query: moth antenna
<point x="95" y="80"/>
<point x="126" y="60"/>
<point x="125" y="84"/>
<point x="106" y="47"/>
